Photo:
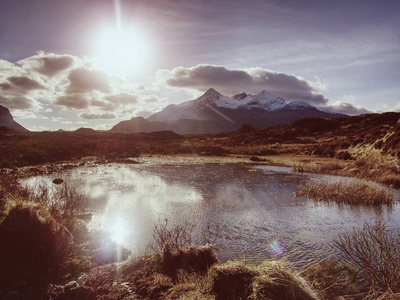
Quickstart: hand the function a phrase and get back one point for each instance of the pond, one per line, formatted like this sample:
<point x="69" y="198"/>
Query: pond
<point x="253" y="207"/>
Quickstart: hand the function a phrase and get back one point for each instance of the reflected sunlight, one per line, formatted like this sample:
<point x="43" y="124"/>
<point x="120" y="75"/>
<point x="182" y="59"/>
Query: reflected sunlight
<point x="118" y="231"/>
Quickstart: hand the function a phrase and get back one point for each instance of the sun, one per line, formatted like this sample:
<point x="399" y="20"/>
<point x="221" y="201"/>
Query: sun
<point x="123" y="51"/>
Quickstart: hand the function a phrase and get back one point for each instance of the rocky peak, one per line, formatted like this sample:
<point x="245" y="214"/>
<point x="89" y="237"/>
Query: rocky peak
<point x="298" y="105"/>
<point x="5" y="114"/>
<point x="211" y="93"/>
<point x="7" y="120"/>
<point x="267" y="101"/>
<point x="209" y="97"/>
<point x="240" y="96"/>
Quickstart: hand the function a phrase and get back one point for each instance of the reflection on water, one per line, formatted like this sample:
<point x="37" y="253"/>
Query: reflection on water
<point x="254" y="207"/>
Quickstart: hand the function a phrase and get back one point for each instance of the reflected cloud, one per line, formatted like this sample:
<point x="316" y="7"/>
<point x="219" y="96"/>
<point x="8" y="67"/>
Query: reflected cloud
<point x="135" y="201"/>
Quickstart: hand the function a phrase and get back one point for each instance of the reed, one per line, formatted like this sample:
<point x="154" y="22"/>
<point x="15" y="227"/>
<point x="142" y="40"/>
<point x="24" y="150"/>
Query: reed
<point x="342" y="192"/>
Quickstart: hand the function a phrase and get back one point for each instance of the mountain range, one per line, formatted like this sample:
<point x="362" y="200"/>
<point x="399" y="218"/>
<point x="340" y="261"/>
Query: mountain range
<point x="6" y="120"/>
<point x="213" y="113"/>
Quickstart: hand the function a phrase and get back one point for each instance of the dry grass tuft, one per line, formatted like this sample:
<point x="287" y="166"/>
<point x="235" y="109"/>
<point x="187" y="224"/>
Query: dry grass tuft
<point x="270" y="280"/>
<point x="277" y="281"/>
<point x="32" y="249"/>
<point x="390" y="296"/>
<point x="372" y="164"/>
<point x="233" y="280"/>
<point x="193" y="259"/>
<point x="353" y="193"/>
<point x="37" y="236"/>
<point x="331" y="279"/>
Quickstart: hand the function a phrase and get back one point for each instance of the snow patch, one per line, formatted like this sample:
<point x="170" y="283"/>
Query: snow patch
<point x="296" y="105"/>
<point x="264" y="101"/>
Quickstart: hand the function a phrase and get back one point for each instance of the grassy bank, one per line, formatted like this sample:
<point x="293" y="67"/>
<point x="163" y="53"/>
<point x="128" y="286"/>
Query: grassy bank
<point x="153" y="277"/>
<point x="43" y="240"/>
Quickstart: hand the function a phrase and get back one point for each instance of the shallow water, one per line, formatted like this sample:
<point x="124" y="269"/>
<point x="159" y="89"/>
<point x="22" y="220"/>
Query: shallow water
<point x="254" y="207"/>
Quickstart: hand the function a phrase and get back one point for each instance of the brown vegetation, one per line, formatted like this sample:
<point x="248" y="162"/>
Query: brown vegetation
<point x="376" y="251"/>
<point x="39" y="247"/>
<point x="333" y="280"/>
<point x="193" y="272"/>
<point x="42" y="240"/>
<point x="366" y="146"/>
<point x="341" y="192"/>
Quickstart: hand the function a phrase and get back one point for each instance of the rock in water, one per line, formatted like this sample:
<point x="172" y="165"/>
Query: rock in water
<point x="58" y="181"/>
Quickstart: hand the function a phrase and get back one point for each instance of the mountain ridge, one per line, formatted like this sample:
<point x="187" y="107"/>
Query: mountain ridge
<point x="214" y="113"/>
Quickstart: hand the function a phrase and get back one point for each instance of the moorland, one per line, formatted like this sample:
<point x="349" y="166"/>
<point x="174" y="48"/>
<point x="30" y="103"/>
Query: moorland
<point x="46" y="246"/>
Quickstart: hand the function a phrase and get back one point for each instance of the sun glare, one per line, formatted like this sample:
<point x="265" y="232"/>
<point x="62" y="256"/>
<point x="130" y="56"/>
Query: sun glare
<point x="118" y="232"/>
<point x="125" y="51"/>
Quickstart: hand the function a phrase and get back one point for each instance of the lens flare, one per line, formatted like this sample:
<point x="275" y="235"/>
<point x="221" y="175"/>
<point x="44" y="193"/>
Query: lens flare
<point x="277" y="248"/>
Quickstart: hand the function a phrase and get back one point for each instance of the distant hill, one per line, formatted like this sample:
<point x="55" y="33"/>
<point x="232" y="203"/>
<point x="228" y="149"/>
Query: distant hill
<point x="134" y="125"/>
<point x="85" y="130"/>
<point x="213" y="113"/>
<point x="7" y="120"/>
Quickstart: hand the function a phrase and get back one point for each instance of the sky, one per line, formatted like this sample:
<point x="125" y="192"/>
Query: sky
<point x="93" y="63"/>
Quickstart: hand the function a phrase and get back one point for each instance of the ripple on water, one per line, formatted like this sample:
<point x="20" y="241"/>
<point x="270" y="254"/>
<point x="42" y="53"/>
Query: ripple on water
<point x="254" y="207"/>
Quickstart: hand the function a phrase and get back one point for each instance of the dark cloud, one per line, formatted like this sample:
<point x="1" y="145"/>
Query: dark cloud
<point x="104" y="105"/>
<point x="24" y="83"/>
<point x="348" y="109"/>
<point x="17" y="102"/>
<point x="84" y="80"/>
<point x="50" y="64"/>
<point x="202" y="77"/>
<point x="5" y="86"/>
<point x="93" y="116"/>
<point x="54" y="64"/>
<point x="75" y="101"/>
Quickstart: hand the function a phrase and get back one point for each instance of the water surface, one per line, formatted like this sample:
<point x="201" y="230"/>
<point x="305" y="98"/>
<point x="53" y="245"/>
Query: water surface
<point x="253" y="206"/>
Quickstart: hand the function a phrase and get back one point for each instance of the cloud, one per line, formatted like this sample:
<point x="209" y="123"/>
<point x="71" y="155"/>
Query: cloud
<point x="86" y="80"/>
<point x="18" y="88"/>
<point x="347" y="105"/>
<point x="49" y="64"/>
<point x="123" y="98"/>
<point x="92" y="116"/>
<point x="75" y="101"/>
<point x="5" y="86"/>
<point x="24" y="83"/>
<point x="154" y="99"/>
<point x="251" y="80"/>
<point x="348" y="109"/>
<point x="54" y="65"/>
<point x="144" y="113"/>
<point x="18" y="102"/>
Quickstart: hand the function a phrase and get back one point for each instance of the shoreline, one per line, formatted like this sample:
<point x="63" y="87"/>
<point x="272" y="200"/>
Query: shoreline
<point x="282" y="160"/>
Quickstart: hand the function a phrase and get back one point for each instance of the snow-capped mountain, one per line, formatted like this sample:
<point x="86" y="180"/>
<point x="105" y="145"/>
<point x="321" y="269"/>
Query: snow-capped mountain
<point x="213" y="112"/>
<point x="264" y="100"/>
<point x="298" y="105"/>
